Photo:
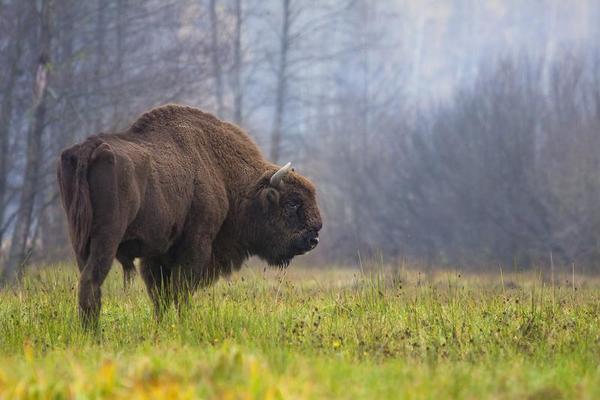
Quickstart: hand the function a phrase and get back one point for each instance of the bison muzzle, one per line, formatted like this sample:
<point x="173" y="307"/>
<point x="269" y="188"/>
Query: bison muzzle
<point x="190" y="195"/>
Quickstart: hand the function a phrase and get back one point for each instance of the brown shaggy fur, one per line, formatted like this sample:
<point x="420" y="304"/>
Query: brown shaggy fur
<point x="187" y="193"/>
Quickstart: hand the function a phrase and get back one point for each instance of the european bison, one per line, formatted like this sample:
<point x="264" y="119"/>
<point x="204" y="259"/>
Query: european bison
<point x="190" y="195"/>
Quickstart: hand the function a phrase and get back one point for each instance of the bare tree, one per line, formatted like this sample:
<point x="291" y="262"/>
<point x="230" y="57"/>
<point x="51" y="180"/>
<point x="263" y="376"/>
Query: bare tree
<point x="100" y="57"/>
<point x="215" y="52"/>
<point x="281" y="88"/>
<point x="12" y="60"/>
<point x="237" y="64"/>
<point x="24" y="221"/>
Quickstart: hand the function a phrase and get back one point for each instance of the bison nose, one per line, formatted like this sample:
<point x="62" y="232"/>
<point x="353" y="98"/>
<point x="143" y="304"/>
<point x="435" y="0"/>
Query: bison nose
<point x="309" y="241"/>
<point x="313" y="239"/>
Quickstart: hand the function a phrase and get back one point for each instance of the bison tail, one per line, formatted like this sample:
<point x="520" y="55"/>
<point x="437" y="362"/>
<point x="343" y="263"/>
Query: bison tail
<point x="75" y="192"/>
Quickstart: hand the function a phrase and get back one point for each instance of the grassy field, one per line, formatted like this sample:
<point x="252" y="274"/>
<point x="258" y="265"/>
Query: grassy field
<point x="309" y="334"/>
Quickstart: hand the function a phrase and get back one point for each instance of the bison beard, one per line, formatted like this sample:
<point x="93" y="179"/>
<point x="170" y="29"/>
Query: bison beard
<point x="188" y="194"/>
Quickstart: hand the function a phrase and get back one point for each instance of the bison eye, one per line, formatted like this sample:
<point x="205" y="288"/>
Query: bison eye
<point x="292" y="205"/>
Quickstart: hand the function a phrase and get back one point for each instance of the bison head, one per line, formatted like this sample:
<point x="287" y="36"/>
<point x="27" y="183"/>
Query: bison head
<point x="289" y="221"/>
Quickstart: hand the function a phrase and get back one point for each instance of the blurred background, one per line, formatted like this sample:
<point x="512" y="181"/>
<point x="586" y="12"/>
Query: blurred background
<point x="449" y="133"/>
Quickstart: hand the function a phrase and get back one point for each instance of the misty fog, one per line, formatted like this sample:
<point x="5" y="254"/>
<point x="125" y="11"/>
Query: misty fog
<point x="444" y="132"/>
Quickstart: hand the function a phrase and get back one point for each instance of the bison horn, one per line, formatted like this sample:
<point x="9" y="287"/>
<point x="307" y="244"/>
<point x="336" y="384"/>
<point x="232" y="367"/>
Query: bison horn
<point x="281" y="172"/>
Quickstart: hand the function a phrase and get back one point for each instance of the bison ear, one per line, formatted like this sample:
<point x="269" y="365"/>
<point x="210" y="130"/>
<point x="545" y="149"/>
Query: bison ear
<point x="269" y="198"/>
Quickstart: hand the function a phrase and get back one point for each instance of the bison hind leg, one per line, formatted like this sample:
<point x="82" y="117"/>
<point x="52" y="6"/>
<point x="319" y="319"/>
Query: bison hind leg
<point x="93" y="275"/>
<point x="106" y="232"/>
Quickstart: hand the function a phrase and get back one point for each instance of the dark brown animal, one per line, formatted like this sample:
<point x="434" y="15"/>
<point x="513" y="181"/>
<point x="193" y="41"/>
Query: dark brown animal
<point x="188" y="194"/>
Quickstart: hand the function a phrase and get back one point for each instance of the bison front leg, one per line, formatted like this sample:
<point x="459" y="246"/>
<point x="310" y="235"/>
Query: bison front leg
<point x="192" y="271"/>
<point x="185" y="282"/>
<point x="157" y="276"/>
<point x="128" y="270"/>
<point x="192" y="255"/>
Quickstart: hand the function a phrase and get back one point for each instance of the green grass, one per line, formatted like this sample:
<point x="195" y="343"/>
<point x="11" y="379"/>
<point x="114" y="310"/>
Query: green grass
<point x="308" y="334"/>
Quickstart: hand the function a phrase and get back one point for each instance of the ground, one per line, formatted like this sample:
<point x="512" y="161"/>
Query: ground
<point x="310" y="333"/>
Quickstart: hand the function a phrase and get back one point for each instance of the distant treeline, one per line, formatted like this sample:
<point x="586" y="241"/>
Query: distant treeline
<point x="506" y="170"/>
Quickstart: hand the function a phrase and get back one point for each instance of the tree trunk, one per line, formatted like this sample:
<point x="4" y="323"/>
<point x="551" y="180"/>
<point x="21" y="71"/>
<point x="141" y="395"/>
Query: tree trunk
<point x="237" y="65"/>
<point x="118" y="74"/>
<point x="281" y="84"/>
<point x="100" y="61"/>
<point x="17" y="253"/>
<point x="6" y="110"/>
<point x="215" y="56"/>
<point x="5" y="126"/>
<point x="52" y="230"/>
